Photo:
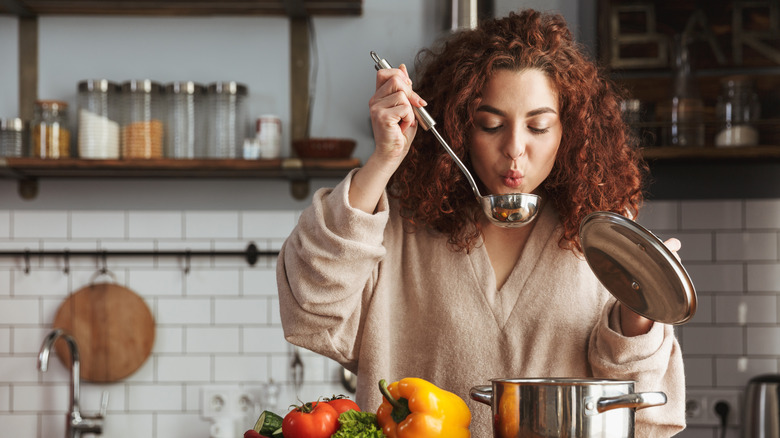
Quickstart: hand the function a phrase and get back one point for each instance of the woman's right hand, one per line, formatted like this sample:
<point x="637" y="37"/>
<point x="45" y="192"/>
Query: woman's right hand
<point x="394" y="125"/>
<point x="392" y="117"/>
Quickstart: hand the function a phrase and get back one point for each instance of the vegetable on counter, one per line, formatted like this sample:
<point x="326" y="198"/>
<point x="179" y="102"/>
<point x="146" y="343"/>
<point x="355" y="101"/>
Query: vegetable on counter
<point x="357" y="424"/>
<point x="414" y="407"/>
<point x="311" y="420"/>
<point x="342" y="403"/>
<point x="268" y="424"/>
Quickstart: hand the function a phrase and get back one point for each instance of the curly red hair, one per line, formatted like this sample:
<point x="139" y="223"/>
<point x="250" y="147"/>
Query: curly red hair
<point x="598" y="166"/>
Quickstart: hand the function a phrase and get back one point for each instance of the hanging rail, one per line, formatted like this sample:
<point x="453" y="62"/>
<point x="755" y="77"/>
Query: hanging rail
<point x="251" y="254"/>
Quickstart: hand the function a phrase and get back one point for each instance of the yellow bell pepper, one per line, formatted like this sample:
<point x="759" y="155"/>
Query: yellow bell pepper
<point x="415" y="408"/>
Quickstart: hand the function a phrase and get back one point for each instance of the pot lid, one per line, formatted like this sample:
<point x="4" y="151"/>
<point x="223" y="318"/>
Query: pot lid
<point x="637" y="268"/>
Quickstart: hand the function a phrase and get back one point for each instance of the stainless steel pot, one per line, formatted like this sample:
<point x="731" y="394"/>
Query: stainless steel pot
<point x="564" y="408"/>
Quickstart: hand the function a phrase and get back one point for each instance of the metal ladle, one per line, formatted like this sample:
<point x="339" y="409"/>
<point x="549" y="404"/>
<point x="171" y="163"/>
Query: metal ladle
<point x="509" y="210"/>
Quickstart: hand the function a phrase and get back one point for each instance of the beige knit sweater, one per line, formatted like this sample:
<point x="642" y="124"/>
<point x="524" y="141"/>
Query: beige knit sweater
<point x="389" y="304"/>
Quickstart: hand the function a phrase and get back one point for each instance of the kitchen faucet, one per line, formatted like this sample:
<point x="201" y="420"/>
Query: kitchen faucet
<point x="76" y="424"/>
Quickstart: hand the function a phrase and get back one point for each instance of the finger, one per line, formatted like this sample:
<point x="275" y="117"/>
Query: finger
<point x="389" y="81"/>
<point x="414" y="98"/>
<point x="673" y="244"/>
<point x="393" y="76"/>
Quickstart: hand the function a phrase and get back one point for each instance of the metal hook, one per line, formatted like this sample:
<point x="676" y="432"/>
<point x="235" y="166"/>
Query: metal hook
<point x="297" y="371"/>
<point x="66" y="256"/>
<point x="26" y="261"/>
<point x="103" y="270"/>
<point x="104" y="257"/>
<point x="187" y="256"/>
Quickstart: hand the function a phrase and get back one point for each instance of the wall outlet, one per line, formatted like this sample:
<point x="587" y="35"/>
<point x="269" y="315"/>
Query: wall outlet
<point x="700" y="406"/>
<point x="215" y="402"/>
<point x="226" y="401"/>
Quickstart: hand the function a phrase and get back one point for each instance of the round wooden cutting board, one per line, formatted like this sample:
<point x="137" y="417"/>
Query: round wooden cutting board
<point x="113" y="327"/>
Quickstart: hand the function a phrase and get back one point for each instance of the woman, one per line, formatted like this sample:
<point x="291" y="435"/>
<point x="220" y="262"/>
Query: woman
<point x="396" y="272"/>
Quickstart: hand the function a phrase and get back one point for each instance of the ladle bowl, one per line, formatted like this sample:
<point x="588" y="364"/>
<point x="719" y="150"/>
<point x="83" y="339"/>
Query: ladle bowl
<point x="509" y="210"/>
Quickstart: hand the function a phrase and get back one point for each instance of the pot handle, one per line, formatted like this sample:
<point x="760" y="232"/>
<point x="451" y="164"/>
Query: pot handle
<point x="640" y="400"/>
<point x="482" y="394"/>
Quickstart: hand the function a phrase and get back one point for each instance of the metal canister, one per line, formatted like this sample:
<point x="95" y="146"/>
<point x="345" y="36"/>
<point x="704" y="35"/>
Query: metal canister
<point x="12" y="133"/>
<point x="142" y="119"/>
<point x="98" y="119"/>
<point x="185" y="131"/>
<point x="227" y="119"/>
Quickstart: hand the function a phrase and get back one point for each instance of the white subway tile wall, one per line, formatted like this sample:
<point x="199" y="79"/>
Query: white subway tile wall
<point x="730" y="249"/>
<point x="218" y="326"/>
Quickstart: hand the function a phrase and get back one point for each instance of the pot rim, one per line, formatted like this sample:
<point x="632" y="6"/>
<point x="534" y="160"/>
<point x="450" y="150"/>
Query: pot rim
<point x="562" y="381"/>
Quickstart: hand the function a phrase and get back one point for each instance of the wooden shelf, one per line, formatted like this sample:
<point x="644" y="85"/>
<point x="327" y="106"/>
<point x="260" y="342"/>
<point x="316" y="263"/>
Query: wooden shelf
<point x="732" y="154"/>
<point x="298" y="171"/>
<point x="182" y="7"/>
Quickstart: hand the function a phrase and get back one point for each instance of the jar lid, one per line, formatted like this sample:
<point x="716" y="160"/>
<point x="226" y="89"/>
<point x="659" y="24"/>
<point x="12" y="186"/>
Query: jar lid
<point x="141" y="85"/>
<point x="102" y="85"/>
<point x="228" y="87"/>
<point x="11" y="124"/>
<point x="185" y="87"/>
<point x="52" y="104"/>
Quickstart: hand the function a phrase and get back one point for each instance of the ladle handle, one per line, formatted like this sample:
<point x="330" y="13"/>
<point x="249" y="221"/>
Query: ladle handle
<point x="425" y="119"/>
<point x="427" y="122"/>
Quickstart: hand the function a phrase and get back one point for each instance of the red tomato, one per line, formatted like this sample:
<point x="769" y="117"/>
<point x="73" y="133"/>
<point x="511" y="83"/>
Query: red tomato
<point x="343" y="404"/>
<point x="312" y="420"/>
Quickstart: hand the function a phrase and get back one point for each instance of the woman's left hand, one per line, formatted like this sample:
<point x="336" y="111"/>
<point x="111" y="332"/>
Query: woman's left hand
<point x="634" y="324"/>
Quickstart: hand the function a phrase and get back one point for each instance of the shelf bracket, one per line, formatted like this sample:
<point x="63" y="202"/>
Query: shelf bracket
<point x="28" y="188"/>
<point x="299" y="183"/>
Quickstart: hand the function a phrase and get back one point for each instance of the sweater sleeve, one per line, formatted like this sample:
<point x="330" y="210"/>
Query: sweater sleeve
<point x="325" y="272"/>
<point x="653" y="361"/>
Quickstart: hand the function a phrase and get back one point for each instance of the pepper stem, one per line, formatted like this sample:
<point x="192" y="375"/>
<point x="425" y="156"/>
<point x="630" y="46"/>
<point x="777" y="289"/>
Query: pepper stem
<point x="400" y="406"/>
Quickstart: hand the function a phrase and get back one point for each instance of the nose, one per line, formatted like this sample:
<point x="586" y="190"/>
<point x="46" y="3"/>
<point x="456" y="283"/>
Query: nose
<point x="514" y="146"/>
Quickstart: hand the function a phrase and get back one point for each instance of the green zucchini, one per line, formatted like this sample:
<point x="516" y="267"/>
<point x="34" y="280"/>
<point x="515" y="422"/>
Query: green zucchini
<point x="268" y="424"/>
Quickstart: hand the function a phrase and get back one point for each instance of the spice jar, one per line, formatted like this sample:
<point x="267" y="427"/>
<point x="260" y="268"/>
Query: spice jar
<point x="49" y="132"/>
<point x="142" y="119"/>
<point x="228" y="119"/>
<point x="185" y="130"/>
<point x="268" y="132"/>
<point x="98" y="119"/>
<point x="11" y="137"/>
<point x="737" y="110"/>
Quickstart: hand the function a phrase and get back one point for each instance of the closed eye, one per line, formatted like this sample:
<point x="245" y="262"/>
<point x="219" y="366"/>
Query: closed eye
<point x="490" y="129"/>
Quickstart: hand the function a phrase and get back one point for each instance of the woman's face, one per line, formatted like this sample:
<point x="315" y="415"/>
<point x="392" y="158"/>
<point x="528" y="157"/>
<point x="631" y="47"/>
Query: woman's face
<point x="516" y="133"/>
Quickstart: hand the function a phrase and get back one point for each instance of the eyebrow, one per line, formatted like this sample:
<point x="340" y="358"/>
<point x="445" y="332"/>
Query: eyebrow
<point x="534" y="112"/>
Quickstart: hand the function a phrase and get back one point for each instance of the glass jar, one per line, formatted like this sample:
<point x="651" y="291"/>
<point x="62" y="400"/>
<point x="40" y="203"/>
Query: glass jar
<point x="683" y="114"/>
<point x="185" y="130"/>
<point x="737" y="110"/>
<point x="12" y="137"/>
<point x="142" y="109"/>
<point x="49" y="132"/>
<point x="98" y="119"/>
<point x="268" y="132"/>
<point x="228" y="119"/>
